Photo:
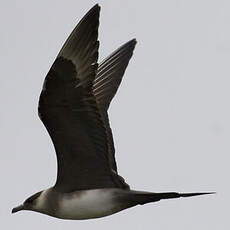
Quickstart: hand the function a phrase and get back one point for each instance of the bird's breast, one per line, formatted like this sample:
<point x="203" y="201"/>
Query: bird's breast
<point x="88" y="204"/>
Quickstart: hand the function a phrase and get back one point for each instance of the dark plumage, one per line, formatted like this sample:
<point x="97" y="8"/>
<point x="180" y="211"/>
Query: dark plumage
<point x="74" y="106"/>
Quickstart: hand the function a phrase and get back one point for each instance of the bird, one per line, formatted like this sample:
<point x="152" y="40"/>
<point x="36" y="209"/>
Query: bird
<point x="73" y="107"/>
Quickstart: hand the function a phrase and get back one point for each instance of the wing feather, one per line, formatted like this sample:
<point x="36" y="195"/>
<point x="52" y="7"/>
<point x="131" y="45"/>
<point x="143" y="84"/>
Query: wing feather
<point x="70" y="113"/>
<point x="109" y="75"/>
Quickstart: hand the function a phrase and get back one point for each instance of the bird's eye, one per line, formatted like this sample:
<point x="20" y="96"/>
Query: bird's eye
<point x="31" y="199"/>
<point x="28" y="201"/>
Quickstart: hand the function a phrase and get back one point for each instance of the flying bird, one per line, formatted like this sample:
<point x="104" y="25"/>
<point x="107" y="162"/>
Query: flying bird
<point x="73" y="106"/>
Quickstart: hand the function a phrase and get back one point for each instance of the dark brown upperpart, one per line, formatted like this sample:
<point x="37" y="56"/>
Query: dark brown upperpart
<point x="73" y="117"/>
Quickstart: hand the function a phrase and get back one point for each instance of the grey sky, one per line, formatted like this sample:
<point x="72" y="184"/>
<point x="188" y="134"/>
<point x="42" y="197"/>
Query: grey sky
<point x="170" y="118"/>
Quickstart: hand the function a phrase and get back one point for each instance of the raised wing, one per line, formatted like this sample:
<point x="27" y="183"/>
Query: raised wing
<point x="105" y="86"/>
<point x="71" y="116"/>
<point x="110" y="73"/>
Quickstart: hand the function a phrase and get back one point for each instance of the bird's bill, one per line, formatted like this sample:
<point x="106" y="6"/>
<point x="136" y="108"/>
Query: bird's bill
<point x="18" y="208"/>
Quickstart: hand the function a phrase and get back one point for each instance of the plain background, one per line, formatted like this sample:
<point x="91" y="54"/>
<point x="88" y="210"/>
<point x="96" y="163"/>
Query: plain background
<point x="170" y="118"/>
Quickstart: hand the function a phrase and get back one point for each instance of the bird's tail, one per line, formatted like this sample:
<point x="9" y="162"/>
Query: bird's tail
<point x="144" y="197"/>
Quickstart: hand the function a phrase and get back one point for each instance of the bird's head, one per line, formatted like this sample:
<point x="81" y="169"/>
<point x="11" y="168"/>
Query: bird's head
<point x="30" y="203"/>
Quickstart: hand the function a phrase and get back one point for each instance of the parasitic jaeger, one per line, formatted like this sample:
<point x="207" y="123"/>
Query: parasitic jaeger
<point x="73" y="106"/>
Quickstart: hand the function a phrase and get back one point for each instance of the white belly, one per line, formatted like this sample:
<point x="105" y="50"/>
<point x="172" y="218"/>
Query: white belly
<point x="88" y="204"/>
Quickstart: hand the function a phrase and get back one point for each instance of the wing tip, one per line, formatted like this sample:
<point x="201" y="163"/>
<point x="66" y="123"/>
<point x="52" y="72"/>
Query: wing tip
<point x="132" y="42"/>
<point x="94" y="11"/>
<point x="96" y="7"/>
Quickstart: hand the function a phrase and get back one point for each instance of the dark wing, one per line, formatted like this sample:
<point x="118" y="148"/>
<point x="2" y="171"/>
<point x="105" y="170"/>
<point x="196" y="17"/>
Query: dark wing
<point x="110" y="73"/>
<point x="70" y="113"/>
<point x="105" y="86"/>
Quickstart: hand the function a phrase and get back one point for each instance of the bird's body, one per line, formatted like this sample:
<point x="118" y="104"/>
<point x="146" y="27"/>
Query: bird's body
<point x="93" y="203"/>
<point x="87" y="204"/>
<point x="73" y="106"/>
<point x="83" y="204"/>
